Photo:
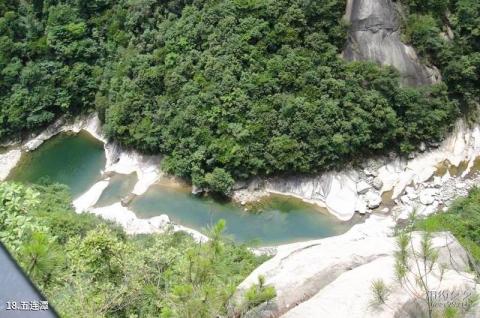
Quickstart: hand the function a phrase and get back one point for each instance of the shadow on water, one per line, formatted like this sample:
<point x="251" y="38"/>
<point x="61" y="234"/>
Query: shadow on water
<point x="74" y="160"/>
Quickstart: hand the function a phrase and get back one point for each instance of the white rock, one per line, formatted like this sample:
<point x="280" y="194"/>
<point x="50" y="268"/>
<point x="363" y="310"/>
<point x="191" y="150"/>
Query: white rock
<point x="422" y="147"/>
<point x="343" y="271"/>
<point x="405" y="200"/>
<point x="428" y="210"/>
<point x="403" y="212"/>
<point x="133" y="225"/>
<point x="197" y="190"/>
<point x="127" y="162"/>
<point x="331" y="257"/>
<point x="89" y="198"/>
<point x="357" y="301"/>
<point x="460" y="185"/>
<point x="373" y="199"/>
<point x="361" y="206"/>
<point x="333" y="190"/>
<point x="159" y="222"/>
<point x="370" y="172"/>
<point x="437" y="181"/>
<point x="8" y="161"/>
<point x="362" y="187"/>
<point x="90" y="123"/>
<point x="427" y="196"/>
<point x="377" y="183"/>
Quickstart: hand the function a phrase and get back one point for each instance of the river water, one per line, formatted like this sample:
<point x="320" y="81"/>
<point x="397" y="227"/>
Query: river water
<point x="78" y="160"/>
<point x="74" y="160"/>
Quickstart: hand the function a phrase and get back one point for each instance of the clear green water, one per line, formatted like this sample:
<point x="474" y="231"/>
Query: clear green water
<point x="77" y="161"/>
<point x="74" y="160"/>
<point x="119" y="187"/>
<point x="282" y="219"/>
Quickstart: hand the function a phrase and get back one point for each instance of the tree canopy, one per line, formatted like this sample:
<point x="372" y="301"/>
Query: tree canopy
<point x="230" y="89"/>
<point x="88" y="267"/>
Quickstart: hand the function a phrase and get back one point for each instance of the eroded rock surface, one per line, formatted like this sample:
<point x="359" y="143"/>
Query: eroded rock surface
<point x="375" y="36"/>
<point x="332" y="277"/>
<point x="395" y="183"/>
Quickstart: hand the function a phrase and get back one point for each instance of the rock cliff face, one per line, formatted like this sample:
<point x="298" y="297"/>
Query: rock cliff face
<point x="375" y="36"/>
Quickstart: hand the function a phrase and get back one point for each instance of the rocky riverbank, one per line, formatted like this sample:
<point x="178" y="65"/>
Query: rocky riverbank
<point x="118" y="160"/>
<point x="426" y="181"/>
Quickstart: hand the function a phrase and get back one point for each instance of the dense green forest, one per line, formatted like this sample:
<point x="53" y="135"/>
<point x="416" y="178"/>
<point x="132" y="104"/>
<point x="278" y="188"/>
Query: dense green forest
<point x="88" y="267"/>
<point x="446" y="34"/>
<point x="228" y="89"/>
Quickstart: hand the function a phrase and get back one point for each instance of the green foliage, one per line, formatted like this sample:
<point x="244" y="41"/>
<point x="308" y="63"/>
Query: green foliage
<point x="462" y="219"/>
<point x="258" y="294"/>
<point x="48" y="60"/>
<point x="17" y="224"/>
<point x="92" y="269"/>
<point x="380" y="292"/>
<point x="427" y="25"/>
<point x="258" y="87"/>
<point x="231" y="88"/>
<point x="219" y="180"/>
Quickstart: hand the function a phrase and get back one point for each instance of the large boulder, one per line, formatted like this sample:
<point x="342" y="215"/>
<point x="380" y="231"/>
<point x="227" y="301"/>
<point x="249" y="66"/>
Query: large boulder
<point x="298" y="271"/>
<point x="363" y="187"/>
<point x="332" y="277"/>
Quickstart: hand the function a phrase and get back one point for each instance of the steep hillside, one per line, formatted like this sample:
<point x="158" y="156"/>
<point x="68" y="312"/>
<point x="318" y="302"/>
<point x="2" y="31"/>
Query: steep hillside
<point x="235" y="88"/>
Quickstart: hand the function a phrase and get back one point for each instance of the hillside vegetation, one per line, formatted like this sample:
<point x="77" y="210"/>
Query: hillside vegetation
<point x="230" y="89"/>
<point x="89" y="268"/>
<point x="463" y="220"/>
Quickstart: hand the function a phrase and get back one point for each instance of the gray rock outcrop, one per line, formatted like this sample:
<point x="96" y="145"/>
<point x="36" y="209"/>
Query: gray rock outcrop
<point x="375" y="36"/>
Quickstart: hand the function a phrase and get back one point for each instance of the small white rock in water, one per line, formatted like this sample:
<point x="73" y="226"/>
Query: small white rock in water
<point x="362" y="187"/>
<point x="196" y="190"/>
<point x="385" y="210"/>
<point x="377" y="183"/>
<point x="373" y="199"/>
